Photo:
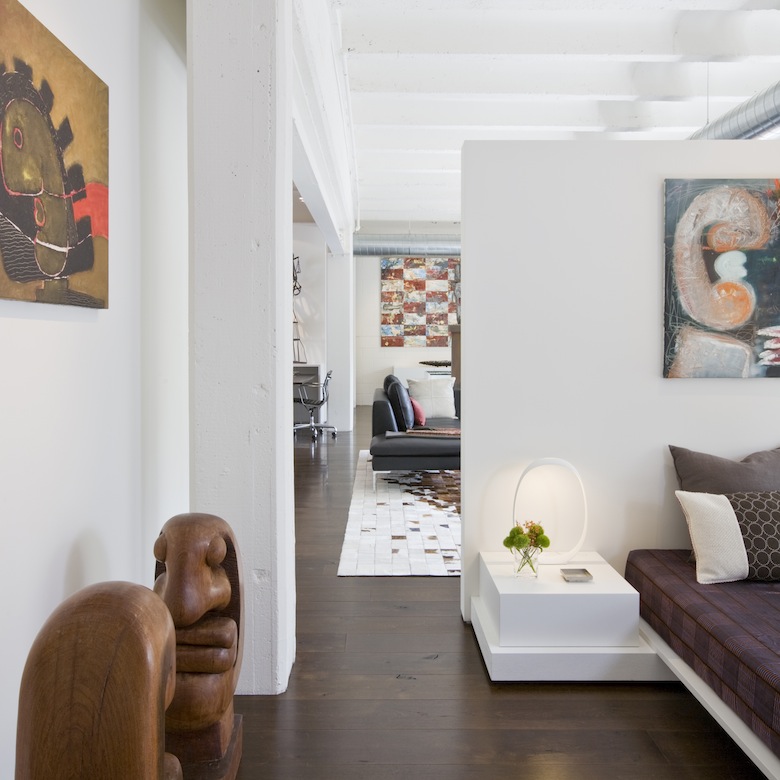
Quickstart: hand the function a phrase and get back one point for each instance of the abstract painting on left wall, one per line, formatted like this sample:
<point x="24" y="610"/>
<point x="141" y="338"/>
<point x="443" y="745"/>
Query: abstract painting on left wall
<point x="53" y="168"/>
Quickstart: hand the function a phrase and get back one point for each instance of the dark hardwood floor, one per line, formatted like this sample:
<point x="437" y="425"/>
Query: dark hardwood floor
<point x="389" y="681"/>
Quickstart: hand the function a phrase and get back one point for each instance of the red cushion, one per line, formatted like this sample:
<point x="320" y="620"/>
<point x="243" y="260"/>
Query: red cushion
<point x="419" y="414"/>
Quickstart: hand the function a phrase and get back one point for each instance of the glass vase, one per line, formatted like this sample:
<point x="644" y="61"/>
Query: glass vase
<point x="527" y="562"/>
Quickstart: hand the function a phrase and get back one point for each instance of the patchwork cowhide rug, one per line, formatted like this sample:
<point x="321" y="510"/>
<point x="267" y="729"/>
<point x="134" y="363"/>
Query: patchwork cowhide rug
<point x="408" y="526"/>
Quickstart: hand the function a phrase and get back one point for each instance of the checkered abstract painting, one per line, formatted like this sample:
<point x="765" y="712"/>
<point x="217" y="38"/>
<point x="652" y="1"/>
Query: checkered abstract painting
<point x="418" y="300"/>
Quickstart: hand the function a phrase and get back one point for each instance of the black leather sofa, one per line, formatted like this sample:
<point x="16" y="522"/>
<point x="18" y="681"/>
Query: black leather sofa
<point x="396" y="447"/>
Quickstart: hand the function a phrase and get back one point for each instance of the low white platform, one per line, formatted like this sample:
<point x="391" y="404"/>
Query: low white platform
<point x="549" y="629"/>
<point x="758" y="752"/>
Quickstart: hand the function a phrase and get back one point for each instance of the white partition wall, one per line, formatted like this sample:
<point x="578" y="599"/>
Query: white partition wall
<point x="562" y="340"/>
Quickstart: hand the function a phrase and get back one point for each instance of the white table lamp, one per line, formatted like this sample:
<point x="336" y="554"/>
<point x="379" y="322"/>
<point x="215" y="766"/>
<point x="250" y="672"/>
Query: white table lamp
<point x="548" y="556"/>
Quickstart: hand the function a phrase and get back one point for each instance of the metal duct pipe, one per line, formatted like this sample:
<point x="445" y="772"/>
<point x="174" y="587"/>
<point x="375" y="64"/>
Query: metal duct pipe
<point x="755" y="118"/>
<point x="405" y="246"/>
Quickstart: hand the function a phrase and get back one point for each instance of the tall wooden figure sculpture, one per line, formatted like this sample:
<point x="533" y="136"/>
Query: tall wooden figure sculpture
<point x="94" y="689"/>
<point x="198" y="577"/>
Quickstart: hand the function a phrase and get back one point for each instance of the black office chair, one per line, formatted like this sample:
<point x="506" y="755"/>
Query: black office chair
<point x="314" y="395"/>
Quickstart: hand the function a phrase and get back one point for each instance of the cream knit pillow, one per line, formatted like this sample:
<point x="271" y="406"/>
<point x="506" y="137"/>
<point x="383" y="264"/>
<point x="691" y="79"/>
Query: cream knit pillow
<point x="715" y="536"/>
<point x="435" y="395"/>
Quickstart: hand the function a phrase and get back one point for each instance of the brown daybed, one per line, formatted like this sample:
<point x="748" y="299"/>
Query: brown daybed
<point x="727" y="633"/>
<point x="713" y="613"/>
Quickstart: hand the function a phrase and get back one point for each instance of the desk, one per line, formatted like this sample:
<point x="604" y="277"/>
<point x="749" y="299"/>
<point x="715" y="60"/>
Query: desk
<point x="303" y="374"/>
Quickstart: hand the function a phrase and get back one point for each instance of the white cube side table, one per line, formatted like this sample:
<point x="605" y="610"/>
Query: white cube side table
<point x="550" y="611"/>
<point x="550" y="629"/>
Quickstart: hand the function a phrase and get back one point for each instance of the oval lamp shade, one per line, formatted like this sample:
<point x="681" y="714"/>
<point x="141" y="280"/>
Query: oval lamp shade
<point x="556" y="557"/>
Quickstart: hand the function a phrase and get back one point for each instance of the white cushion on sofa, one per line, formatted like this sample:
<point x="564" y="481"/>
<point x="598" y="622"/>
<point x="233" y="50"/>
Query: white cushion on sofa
<point x="715" y="536"/>
<point x="435" y="395"/>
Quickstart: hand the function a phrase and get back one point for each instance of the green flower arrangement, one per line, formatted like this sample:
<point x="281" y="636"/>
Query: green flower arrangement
<point x="526" y="542"/>
<point x="528" y="535"/>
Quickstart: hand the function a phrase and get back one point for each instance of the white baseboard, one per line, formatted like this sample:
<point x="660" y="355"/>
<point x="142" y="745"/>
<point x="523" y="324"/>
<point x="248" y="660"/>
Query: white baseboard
<point x="732" y="724"/>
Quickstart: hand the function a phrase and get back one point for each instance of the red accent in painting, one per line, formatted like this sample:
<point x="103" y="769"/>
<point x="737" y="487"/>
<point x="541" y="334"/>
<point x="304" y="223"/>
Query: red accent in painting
<point x="95" y="206"/>
<point x="39" y="212"/>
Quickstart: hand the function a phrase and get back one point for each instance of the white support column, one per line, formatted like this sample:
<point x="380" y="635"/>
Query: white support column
<point x="241" y="308"/>
<point x="341" y="339"/>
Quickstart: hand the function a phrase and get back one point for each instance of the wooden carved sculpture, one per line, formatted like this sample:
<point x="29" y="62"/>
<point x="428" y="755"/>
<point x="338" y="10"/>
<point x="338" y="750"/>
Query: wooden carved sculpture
<point x="95" y="687"/>
<point x="198" y="577"/>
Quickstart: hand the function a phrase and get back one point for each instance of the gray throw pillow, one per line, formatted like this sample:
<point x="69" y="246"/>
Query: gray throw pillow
<point x="758" y="516"/>
<point x="401" y="404"/>
<point x="702" y="473"/>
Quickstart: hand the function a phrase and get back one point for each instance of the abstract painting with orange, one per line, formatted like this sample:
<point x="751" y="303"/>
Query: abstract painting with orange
<point x="53" y="168"/>
<point x="722" y="297"/>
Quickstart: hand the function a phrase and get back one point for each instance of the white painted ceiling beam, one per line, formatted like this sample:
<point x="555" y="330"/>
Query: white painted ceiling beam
<point x="613" y="35"/>
<point x="400" y="178"/>
<point x="323" y="154"/>
<point x="489" y="6"/>
<point x="423" y="211"/>
<point x="500" y="78"/>
<point x="417" y="138"/>
<point x="427" y="75"/>
<point x="414" y="159"/>
<point x="476" y="114"/>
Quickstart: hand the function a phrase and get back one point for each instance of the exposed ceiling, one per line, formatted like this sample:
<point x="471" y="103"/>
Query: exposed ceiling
<point x="426" y="75"/>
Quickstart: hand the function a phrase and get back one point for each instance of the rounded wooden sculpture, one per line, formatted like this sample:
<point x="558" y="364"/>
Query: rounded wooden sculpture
<point x="198" y="577"/>
<point x="95" y="687"/>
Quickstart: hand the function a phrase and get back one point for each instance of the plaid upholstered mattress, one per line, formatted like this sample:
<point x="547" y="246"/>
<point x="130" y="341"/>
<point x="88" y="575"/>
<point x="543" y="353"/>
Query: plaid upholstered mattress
<point x="728" y="633"/>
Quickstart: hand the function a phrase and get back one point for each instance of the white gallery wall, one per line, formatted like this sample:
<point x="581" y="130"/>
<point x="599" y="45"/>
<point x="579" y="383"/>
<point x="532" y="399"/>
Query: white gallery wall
<point x="73" y="444"/>
<point x="310" y="305"/>
<point x="562" y="342"/>
<point x="164" y="269"/>
<point x="374" y="362"/>
<point x="341" y="338"/>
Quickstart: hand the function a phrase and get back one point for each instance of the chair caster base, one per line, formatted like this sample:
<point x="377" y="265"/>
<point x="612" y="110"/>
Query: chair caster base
<point x="315" y="430"/>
